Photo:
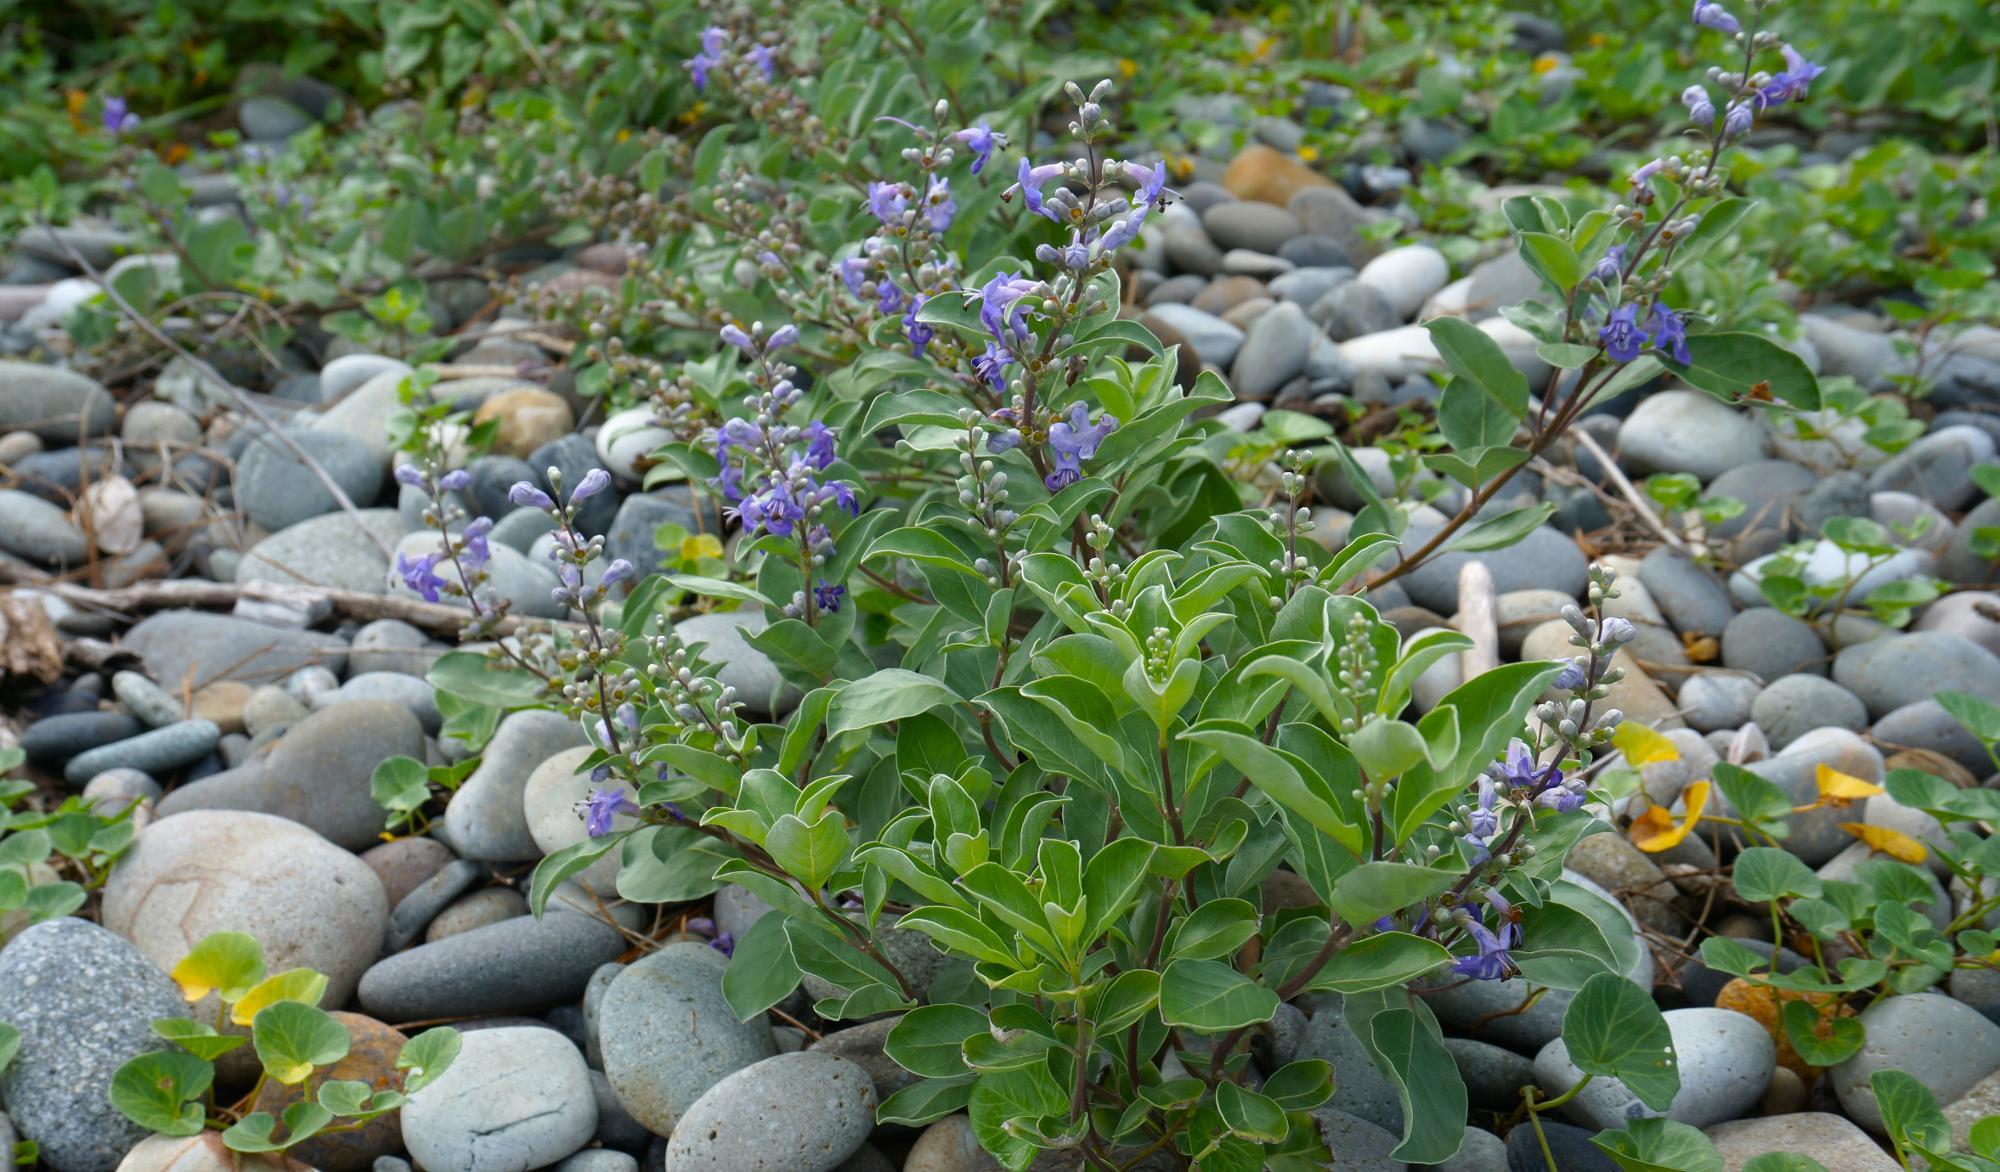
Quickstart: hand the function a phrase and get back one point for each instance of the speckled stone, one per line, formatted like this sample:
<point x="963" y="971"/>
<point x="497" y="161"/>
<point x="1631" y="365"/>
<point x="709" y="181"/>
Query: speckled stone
<point x="668" y="1035"/>
<point x="515" y="1099"/>
<point x="788" y="1113"/>
<point x="84" y="1001"/>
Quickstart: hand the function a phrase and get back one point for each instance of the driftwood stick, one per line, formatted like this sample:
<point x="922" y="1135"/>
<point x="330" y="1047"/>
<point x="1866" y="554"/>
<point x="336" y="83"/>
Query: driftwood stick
<point x="436" y="617"/>
<point x="1477" y="620"/>
<point x="1628" y="490"/>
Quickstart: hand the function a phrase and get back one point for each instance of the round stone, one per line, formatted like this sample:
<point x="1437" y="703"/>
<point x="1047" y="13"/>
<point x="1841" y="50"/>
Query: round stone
<point x="1890" y="672"/>
<point x="1717" y="700"/>
<point x="554" y="791"/>
<point x="1407" y="276"/>
<point x="158" y="752"/>
<point x="1725" y="1062"/>
<point x="371" y="1059"/>
<point x="53" y="403"/>
<point x="84" y="1001"/>
<point x="1795" y="705"/>
<point x="527" y="418"/>
<point x="405" y="864"/>
<point x="1945" y="1045"/>
<point x="487" y="818"/>
<point x="40" y="531"/>
<point x="308" y="903"/>
<point x="1770" y="643"/>
<point x="477" y="910"/>
<point x="668" y="1034"/>
<point x="628" y="439"/>
<point x="516" y="1098"/>
<point x="334" y="551"/>
<point x="1689" y="431"/>
<point x="276" y="489"/>
<point x="788" y="1113"/>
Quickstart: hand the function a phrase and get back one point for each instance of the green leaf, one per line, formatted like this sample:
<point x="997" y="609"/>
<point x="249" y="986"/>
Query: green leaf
<point x="1802" y="1024"/>
<point x="888" y="695"/>
<point x="1111" y="882"/>
<point x="157" y="1091"/>
<point x="552" y="870"/>
<point x="292" y="1038"/>
<point x="1124" y="999"/>
<point x="761" y="970"/>
<point x="1501" y="531"/>
<point x="809" y="852"/>
<point x="426" y="1056"/>
<point x="253" y="1133"/>
<point x="1380" y="961"/>
<point x="1210" y="996"/>
<point x="1659" y="1145"/>
<point x="926" y="1101"/>
<point x="1249" y="1114"/>
<point x="1612" y="1029"/>
<point x="1427" y="1080"/>
<point x="1731" y="366"/>
<point x="228" y="962"/>
<point x="1374" y="889"/>
<point x="1301" y="1085"/>
<point x="1910" y="1114"/>
<point x="1765" y="873"/>
<point x="1472" y="420"/>
<point x="930" y="1039"/>
<point x="401" y="784"/>
<point x="1004" y="1101"/>
<point x="1214" y="930"/>
<point x="1783" y="1162"/>
<point x="471" y="675"/>
<point x="1386" y="747"/>
<point x="197" y="1038"/>
<point x="1280" y="776"/>
<point x="300" y="984"/>
<point x="1980" y="716"/>
<point x="1473" y="356"/>
<point x="1552" y="259"/>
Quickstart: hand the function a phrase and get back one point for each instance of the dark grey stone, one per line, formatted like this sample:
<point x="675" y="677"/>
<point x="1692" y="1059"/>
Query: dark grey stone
<point x="631" y="535"/>
<point x="416" y="910"/>
<point x="53" y="740"/>
<point x="1570" y="1146"/>
<point x="575" y="456"/>
<point x="1770" y="643"/>
<point x="276" y="489"/>
<point x="1693" y="600"/>
<point x="1544" y="559"/>
<point x="1926" y="725"/>
<point x="196" y="648"/>
<point x="84" y="1001"/>
<point x="1244" y="223"/>
<point x="1494" y="1075"/>
<point x="56" y="404"/>
<point x="788" y="1113"/>
<point x="40" y="531"/>
<point x="1315" y="252"/>
<point x="58" y="476"/>
<point x="1795" y="705"/>
<point x="520" y="965"/>
<point x="658" y="1065"/>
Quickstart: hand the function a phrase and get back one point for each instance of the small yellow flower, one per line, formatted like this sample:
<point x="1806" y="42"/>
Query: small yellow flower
<point x="1656" y="831"/>
<point x="1893" y="843"/>
<point x="1308" y="154"/>
<point x="1127" y="68"/>
<point x="1544" y="63"/>
<point x="623" y="134"/>
<point x="1837" y="789"/>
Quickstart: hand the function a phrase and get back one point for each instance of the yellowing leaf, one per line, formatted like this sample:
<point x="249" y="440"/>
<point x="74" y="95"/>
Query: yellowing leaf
<point x="1643" y="746"/>
<point x="228" y="961"/>
<point x="1838" y="789"/>
<point x="289" y="1073"/>
<point x="291" y="985"/>
<point x="700" y="545"/>
<point x="1893" y="843"/>
<point x="1656" y="831"/>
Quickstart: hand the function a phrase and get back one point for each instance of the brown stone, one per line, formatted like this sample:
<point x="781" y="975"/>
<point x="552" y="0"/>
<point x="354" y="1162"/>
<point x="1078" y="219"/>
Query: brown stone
<point x="1615" y="864"/>
<point x="613" y="259"/>
<point x="1766" y="1006"/>
<point x="528" y="416"/>
<point x="222" y="702"/>
<point x="371" y="1059"/>
<point x="1263" y="173"/>
<point x="404" y="864"/>
<point x="1226" y="293"/>
<point x="201" y="1153"/>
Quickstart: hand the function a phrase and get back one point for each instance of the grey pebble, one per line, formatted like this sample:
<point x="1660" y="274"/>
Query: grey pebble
<point x="159" y="751"/>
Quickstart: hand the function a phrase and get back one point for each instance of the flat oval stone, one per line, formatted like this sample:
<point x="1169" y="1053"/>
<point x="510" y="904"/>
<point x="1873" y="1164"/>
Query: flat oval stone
<point x="668" y="1035"/>
<point x="522" y="965"/>
<point x="162" y="750"/>
<point x="308" y="902"/>
<point x="516" y="1098"/>
<point x="803" y="1112"/>
<point x="53" y="740"/>
<point x="486" y="818"/>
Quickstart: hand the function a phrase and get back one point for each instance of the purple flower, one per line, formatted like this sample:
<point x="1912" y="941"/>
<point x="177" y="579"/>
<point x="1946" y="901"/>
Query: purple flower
<point x="1622" y="336"/>
<point x="410" y="474"/>
<point x="1000" y="308"/>
<point x="980" y="140"/>
<point x="618" y="571"/>
<point x="992" y="367"/>
<point x="828" y="595"/>
<point x="843" y="498"/>
<point x="725" y="944"/>
<point x="1700" y="110"/>
<point x="118" y="117"/>
<point x="525" y="494"/>
<point x="1561" y="796"/>
<point x="888" y="298"/>
<point x="1736" y="122"/>
<point x="887" y="202"/>
<point x="1645" y="173"/>
<point x="477" y="550"/>
<point x="852" y="272"/>
<point x="819" y="445"/>
<point x="1492" y="962"/>
<point x="1484" y="820"/>
<point x="1610" y="268"/>
<point x="1793" y="83"/>
<point x="940" y="207"/>
<point x="761" y="55"/>
<point x="1028" y="180"/>
<point x="594" y="481"/>
<point x="1669" y="334"/>
<point x="1709" y="14"/>
<point x="918" y="332"/>
<point x="601" y="807"/>
<point x="734" y="335"/>
<point x="1073" y="441"/>
<point x="785" y="335"/>
<point x="1520" y="768"/>
<point x="456" y="480"/>
<point x="1572" y="676"/>
<point x="713" y="38"/>
<point x="1616" y="630"/>
<point x="416" y="573"/>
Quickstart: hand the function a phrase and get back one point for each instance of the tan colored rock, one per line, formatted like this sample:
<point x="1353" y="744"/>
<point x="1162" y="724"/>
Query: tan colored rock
<point x="1830" y="1139"/>
<point x="371" y="1058"/>
<point x="528" y="416"/>
<point x="1616" y="865"/>
<point x="1636" y="695"/>
<point x="222" y="702"/>
<point x="1767" y="1006"/>
<point x="201" y="1153"/>
<point x="1263" y="173"/>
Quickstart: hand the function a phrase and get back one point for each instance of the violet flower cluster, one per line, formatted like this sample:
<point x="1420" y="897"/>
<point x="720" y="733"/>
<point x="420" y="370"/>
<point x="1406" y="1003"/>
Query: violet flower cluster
<point x="464" y="549"/>
<point x="715" y="41"/>
<point x="773" y="473"/>
<point x="1532" y="777"/>
<point x="1641" y="320"/>
<point x="572" y="551"/>
<point x="118" y="116"/>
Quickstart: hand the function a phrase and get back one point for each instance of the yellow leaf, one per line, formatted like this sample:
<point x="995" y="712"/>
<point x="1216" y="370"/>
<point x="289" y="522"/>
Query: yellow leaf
<point x="1656" y="831"/>
<point x="1893" y="843"/>
<point x="1838" y="789"/>
<point x="700" y="545"/>
<point x="291" y="985"/>
<point x="1643" y="746"/>
<point x="289" y="1073"/>
<point x="226" y="961"/>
